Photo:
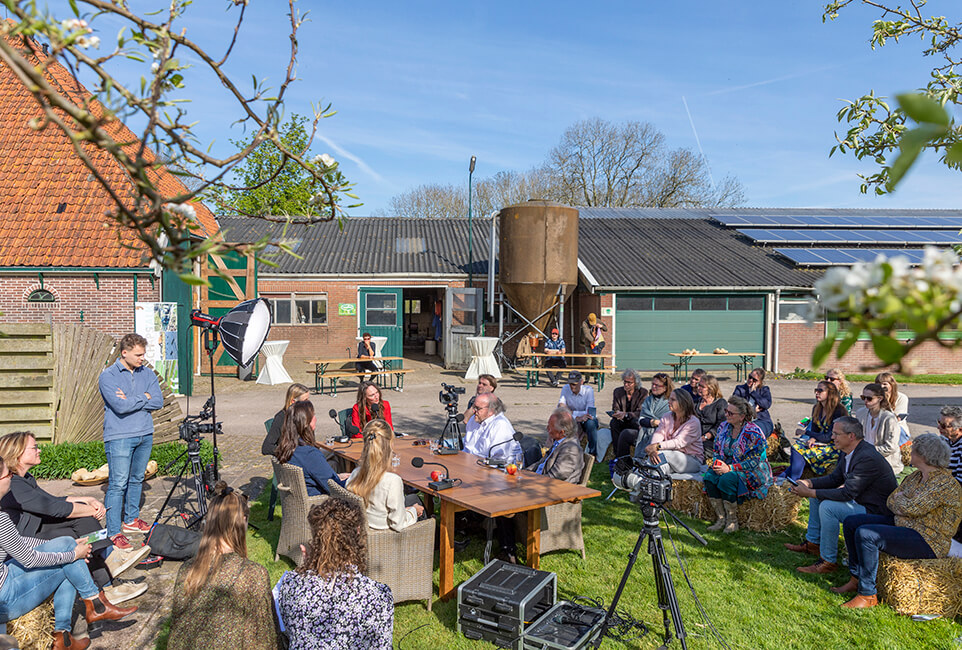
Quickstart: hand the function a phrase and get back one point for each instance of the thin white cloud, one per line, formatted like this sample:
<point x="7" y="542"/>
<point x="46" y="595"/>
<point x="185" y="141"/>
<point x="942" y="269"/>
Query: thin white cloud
<point x="796" y="75"/>
<point x="344" y="153"/>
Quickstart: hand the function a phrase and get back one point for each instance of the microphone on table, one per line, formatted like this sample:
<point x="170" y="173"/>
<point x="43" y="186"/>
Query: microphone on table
<point x="341" y="438"/>
<point x="500" y="462"/>
<point x="442" y="484"/>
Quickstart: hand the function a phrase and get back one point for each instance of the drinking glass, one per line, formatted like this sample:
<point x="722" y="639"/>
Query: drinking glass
<point x="395" y="460"/>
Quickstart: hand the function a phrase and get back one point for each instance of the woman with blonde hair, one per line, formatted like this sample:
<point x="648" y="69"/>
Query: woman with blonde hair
<point x="295" y="393"/>
<point x="381" y="489"/>
<point x="898" y="401"/>
<point x="222" y="599"/>
<point x="837" y="377"/>
<point x="814" y="446"/>
<point x="880" y="425"/>
<point x="328" y="602"/>
<point x="710" y="409"/>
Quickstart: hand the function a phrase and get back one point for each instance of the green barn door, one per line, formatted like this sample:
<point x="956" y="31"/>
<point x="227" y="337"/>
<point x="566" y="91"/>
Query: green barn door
<point x="381" y="316"/>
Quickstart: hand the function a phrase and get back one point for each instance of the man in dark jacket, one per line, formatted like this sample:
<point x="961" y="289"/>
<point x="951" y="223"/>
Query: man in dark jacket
<point x="860" y="483"/>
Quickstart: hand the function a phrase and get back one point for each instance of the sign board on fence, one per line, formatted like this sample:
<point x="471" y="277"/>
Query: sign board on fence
<point x="346" y="309"/>
<point x="157" y="322"/>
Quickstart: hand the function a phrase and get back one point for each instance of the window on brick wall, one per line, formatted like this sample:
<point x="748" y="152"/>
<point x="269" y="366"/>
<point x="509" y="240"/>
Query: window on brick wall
<point x="298" y="308"/>
<point x="41" y="295"/>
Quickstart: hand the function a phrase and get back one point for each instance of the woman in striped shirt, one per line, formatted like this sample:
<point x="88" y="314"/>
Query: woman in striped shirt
<point x="32" y="569"/>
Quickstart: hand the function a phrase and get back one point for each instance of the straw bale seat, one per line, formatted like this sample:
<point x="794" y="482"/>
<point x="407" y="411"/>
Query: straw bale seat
<point x="906" y="450"/>
<point x="777" y="511"/>
<point x="34" y="630"/>
<point x="921" y="586"/>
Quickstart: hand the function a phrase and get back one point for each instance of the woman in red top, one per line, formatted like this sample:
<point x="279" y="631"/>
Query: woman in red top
<point x="369" y="406"/>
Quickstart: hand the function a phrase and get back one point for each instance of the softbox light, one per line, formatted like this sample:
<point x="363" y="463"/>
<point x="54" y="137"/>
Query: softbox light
<point x="244" y="329"/>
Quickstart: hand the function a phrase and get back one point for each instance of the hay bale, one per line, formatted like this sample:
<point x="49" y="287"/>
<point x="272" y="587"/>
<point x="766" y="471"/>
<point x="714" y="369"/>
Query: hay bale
<point x="906" y="453"/>
<point x="773" y="447"/>
<point x="777" y="511"/>
<point x="688" y="497"/>
<point x="34" y="630"/>
<point x="921" y="586"/>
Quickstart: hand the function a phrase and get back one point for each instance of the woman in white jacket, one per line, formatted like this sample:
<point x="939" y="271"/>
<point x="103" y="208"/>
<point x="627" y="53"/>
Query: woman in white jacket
<point x="381" y="489"/>
<point x="880" y="425"/>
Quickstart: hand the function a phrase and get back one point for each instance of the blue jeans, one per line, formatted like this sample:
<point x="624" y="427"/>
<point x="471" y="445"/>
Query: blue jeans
<point x="866" y="535"/>
<point x="24" y="589"/>
<point x="590" y="427"/>
<point x="824" y="518"/>
<point x="127" y="459"/>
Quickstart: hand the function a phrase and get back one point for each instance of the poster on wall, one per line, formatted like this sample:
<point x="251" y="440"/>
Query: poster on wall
<point x="157" y="322"/>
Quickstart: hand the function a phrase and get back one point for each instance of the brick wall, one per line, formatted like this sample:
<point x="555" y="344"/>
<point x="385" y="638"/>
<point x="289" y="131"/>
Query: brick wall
<point x="797" y="340"/>
<point x="109" y="309"/>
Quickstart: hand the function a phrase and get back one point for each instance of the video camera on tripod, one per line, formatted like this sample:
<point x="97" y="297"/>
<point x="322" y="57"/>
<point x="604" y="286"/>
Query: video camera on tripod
<point x="452" y="436"/>
<point x="192" y="427"/>
<point x="645" y="483"/>
<point x="449" y="396"/>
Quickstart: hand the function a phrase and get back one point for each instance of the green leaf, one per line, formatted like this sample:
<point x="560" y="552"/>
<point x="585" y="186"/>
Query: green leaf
<point x="191" y="279"/>
<point x="73" y="7"/>
<point x="848" y="342"/>
<point x="821" y="351"/>
<point x="887" y="349"/>
<point x="923" y="109"/>
<point x="954" y="155"/>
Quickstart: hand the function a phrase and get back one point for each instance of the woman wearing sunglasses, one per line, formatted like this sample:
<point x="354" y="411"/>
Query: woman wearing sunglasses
<point x="814" y="446"/>
<point x="837" y="377"/>
<point x="881" y="425"/>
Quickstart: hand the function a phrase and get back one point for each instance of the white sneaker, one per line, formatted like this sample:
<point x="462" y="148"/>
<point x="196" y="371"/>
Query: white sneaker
<point x="120" y="592"/>
<point x="120" y="560"/>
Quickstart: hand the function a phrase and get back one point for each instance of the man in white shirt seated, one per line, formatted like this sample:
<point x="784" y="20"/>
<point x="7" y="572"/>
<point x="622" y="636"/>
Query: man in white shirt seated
<point x="579" y="398"/>
<point x="488" y="427"/>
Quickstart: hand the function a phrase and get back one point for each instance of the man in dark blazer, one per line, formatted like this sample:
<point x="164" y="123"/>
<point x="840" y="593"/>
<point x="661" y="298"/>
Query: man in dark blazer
<point x="565" y="459"/>
<point x="860" y="483"/>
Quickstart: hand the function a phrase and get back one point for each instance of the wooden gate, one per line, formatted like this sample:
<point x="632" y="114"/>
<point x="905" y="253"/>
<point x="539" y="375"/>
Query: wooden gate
<point x="232" y="279"/>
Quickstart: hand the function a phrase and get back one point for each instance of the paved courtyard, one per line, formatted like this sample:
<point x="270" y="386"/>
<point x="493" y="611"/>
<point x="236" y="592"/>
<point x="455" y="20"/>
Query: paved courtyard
<point x="244" y="406"/>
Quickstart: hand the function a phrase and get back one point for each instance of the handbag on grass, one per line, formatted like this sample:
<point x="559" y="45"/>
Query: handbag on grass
<point x="173" y="542"/>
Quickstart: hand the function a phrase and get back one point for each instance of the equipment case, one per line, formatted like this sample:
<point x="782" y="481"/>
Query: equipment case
<point x="566" y="626"/>
<point x="497" y="602"/>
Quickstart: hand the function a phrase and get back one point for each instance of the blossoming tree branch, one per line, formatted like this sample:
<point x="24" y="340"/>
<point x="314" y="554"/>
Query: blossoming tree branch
<point x="159" y="44"/>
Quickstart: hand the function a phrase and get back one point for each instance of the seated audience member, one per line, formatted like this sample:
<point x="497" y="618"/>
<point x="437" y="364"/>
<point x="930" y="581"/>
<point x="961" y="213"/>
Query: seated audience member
<point x="298" y="447"/>
<point x="899" y="402"/>
<point x="221" y="598"/>
<point x="814" y="444"/>
<point x="489" y="426"/>
<point x="579" y="398"/>
<point x="31" y="570"/>
<point x="554" y="346"/>
<point x="709" y="409"/>
<point x="837" y="377"/>
<point x="381" y="489"/>
<point x="880" y="425"/>
<point x="678" y="436"/>
<point x="692" y="386"/>
<point x="860" y="484"/>
<point x="368" y="406"/>
<point x="652" y="407"/>
<point x="38" y="514"/>
<point x="756" y="393"/>
<point x="740" y="470"/>
<point x="328" y="602"/>
<point x="366" y="351"/>
<point x="950" y="427"/>
<point x="926" y="512"/>
<point x="486" y="384"/>
<point x="295" y="393"/>
<point x="626" y="403"/>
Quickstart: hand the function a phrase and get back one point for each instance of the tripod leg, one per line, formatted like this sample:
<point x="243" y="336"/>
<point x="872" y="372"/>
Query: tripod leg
<point x="177" y="480"/>
<point x="667" y="599"/>
<point x="621" y="586"/>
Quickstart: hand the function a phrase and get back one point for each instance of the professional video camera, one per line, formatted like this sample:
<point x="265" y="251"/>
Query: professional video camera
<point x="645" y="483"/>
<point x="192" y="427"/>
<point x="449" y="396"/>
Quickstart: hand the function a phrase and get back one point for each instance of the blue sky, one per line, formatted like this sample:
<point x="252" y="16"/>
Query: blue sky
<point x="420" y="87"/>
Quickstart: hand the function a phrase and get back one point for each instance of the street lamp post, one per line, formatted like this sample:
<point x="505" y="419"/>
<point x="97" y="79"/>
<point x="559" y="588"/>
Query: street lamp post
<point x="470" y="231"/>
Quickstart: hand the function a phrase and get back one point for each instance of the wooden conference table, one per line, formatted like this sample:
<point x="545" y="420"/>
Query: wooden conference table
<point x="485" y="490"/>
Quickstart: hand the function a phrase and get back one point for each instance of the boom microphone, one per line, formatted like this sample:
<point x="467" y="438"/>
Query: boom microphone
<point x="500" y="462"/>
<point x="443" y="484"/>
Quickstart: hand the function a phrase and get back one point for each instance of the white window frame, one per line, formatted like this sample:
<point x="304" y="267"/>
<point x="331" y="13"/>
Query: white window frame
<point x="294" y="296"/>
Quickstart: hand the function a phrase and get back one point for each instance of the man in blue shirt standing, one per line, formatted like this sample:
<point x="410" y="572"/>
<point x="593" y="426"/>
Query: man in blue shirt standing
<point x="130" y="392"/>
<point x="579" y="398"/>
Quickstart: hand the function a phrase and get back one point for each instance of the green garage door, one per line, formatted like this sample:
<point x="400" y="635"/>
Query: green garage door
<point x="648" y="327"/>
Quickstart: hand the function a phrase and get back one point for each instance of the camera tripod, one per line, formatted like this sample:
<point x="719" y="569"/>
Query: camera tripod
<point x="667" y="600"/>
<point x="199" y="480"/>
<point x="453" y="430"/>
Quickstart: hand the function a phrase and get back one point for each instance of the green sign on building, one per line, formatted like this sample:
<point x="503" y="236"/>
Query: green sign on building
<point x="346" y="309"/>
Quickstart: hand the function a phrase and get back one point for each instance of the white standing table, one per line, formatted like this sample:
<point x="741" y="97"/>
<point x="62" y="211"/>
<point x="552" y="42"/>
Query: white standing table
<point x="482" y="359"/>
<point x="273" y="371"/>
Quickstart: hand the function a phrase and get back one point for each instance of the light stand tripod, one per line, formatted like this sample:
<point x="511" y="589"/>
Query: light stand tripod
<point x="667" y="600"/>
<point x="196" y="466"/>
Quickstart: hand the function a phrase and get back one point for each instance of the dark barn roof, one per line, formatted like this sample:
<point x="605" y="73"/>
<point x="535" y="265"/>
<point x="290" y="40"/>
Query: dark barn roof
<point x="369" y="245"/>
<point x="688" y="252"/>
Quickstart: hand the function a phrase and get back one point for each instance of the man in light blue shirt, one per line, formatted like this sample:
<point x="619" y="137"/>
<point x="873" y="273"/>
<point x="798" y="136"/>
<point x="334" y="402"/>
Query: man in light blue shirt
<point x="130" y="392"/>
<point x="579" y="398"/>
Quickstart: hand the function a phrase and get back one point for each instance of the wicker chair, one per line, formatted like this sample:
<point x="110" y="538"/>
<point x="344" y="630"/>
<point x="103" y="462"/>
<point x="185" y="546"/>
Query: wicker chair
<point x="295" y="505"/>
<point x="404" y="560"/>
<point x="561" y="523"/>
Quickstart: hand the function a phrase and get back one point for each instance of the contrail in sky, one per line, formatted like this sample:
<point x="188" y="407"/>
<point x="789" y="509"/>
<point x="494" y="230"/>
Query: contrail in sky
<point x="698" y="142"/>
<point x="731" y="89"/>
<point x="344" y="153"/>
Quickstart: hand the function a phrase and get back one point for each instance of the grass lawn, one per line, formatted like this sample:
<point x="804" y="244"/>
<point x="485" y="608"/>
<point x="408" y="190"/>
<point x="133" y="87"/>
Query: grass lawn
<point x="746" y="582"/>
<point x="947" y="379"/>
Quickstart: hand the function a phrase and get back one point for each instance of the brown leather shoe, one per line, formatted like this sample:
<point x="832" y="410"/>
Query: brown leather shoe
<point x="819" y="567"/>
<point x="805" y="547"/>
<point x="100" y="609"/>
<point x="862" y="602"/>
<point x="63" y="640"/>
<point x="847" y="588"/>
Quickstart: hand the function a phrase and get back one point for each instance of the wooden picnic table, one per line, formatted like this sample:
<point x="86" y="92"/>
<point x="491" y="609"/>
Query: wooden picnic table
<point x="485" y="490"/>
<point x="740" y="360"/>
<point x="537" y="358"/>
<point x="321" y="368"/>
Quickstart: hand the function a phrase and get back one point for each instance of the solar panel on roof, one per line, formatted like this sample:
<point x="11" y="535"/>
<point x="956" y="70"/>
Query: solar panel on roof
<point x="830" y="220"/>
<point x="886" y="237"/>
<point x="846" y="256"/>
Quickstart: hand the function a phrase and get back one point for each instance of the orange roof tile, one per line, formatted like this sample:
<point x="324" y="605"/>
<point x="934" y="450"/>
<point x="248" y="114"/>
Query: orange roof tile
<point x="52" y="211"/>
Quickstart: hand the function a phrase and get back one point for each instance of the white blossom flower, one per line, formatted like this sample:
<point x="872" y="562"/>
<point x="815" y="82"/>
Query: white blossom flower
<point x="154" y="67"/>
<point x="325" y="161"/>
<point x="182" y="210"/>
<point x="320" y="198"/>
<point x="89" y="41"/>
<point x="835" y="287"/>
<point x="73" y="24"/>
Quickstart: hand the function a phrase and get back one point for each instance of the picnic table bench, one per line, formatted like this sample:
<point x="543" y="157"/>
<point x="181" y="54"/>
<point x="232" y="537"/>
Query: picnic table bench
<point x="537" y="360"/>
<point x="742" y="361"/>
<point x="324" y="373"/>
